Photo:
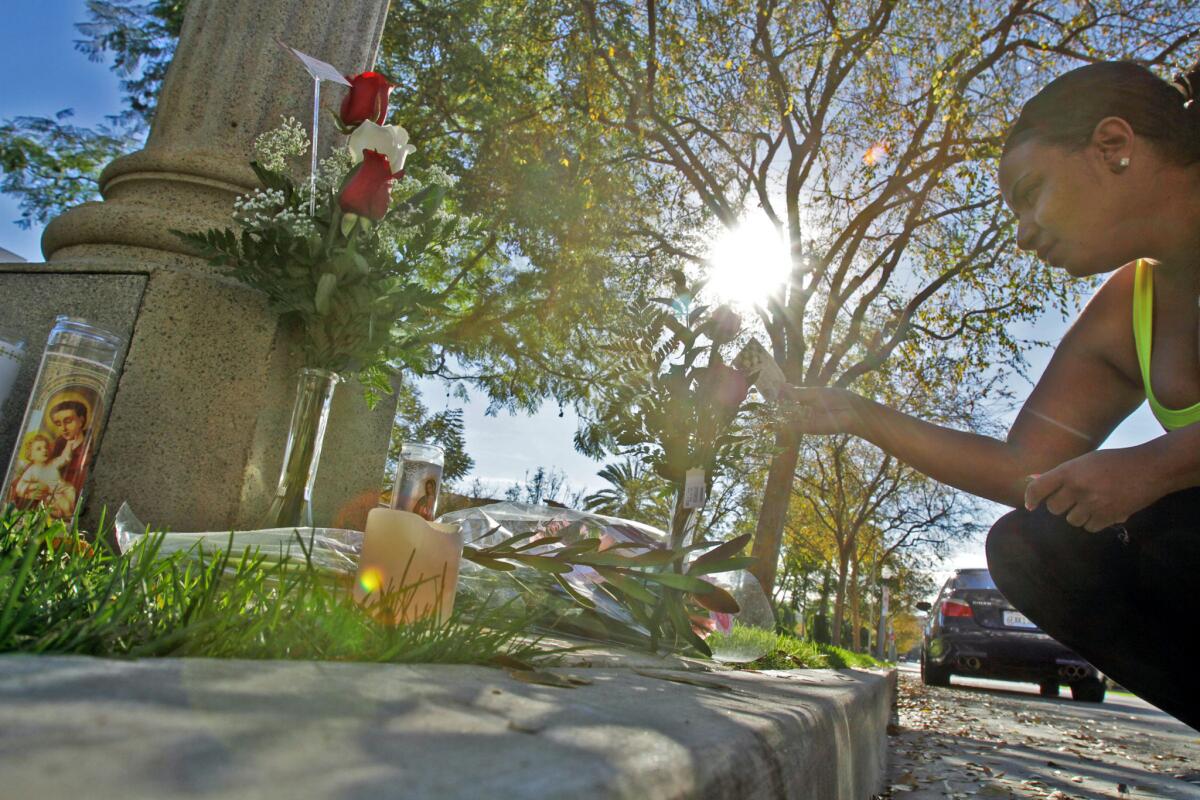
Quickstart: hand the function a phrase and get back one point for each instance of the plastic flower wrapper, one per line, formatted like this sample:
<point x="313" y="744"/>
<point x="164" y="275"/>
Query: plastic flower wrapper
<point x="726" y="641"/>
<point x="333" y="550"/>
<point x="592" y="591"/>
<point x="486" y="526"/>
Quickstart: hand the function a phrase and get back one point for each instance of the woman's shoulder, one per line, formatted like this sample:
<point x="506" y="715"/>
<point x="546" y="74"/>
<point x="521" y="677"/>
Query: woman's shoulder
<point x="1117" y="288"/>
<point x="1113" y="302"/>
<point x="1105" y="327"/>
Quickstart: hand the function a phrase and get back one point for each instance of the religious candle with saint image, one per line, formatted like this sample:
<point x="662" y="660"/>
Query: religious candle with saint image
<point x="418" y="479"/>
<point x="61" y="428"/>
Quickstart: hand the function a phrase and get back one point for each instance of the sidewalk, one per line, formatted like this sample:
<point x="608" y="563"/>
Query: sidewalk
<point x="637" y="726"/>
<point x="985" y="739"/>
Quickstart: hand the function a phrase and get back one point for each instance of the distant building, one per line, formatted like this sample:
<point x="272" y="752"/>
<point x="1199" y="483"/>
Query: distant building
<point x="9" y="257"/>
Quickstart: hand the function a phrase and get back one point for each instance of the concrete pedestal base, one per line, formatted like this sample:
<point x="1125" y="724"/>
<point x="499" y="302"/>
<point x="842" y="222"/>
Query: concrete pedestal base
<point x="196" y="433"/>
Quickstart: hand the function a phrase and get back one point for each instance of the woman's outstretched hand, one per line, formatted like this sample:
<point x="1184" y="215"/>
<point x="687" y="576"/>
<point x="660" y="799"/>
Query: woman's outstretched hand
<point x="824" y="411"/>
<point x="1095" y="490"/>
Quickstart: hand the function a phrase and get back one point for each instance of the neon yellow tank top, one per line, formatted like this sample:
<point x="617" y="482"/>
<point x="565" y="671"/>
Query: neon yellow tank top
<point x="1143" y="333"/>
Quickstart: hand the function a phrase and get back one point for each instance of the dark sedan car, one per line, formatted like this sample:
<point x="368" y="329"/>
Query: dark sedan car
<point x="973" y="630"/>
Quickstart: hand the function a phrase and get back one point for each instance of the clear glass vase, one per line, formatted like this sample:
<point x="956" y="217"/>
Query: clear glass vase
<point x="292" y="506"/>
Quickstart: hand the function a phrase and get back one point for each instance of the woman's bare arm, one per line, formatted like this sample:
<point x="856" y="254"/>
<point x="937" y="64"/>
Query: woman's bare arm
<point x="1083" y="394"/>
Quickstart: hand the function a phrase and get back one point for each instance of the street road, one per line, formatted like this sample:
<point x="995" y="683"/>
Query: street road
<point x="996" y="740"/>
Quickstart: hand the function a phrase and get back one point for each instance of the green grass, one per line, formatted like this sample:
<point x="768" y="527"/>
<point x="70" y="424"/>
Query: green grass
<point x="783" y="651"/>
<point x="60" y="594"/>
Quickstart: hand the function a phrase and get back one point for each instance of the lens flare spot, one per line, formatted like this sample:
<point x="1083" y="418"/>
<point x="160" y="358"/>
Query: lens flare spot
<point x="877" y="152"/>
<point x="371" y="580"/>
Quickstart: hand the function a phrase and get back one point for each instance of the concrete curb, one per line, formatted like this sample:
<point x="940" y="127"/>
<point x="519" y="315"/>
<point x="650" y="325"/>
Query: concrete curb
<point x="75" y="727"/>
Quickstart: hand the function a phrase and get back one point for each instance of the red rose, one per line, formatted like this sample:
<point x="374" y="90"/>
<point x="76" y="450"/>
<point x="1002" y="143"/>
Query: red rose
<point x="367" y="99"/>
<point x="367" y="189"/>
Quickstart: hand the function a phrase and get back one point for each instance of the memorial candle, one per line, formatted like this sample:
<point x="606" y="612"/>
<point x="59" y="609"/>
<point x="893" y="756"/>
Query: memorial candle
<point x="411" y="563"/>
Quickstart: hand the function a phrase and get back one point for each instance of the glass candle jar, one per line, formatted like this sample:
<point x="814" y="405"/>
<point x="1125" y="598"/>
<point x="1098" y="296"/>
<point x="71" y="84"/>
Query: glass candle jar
<point x="12" y="349"/>
<point x="418" y="479"/>
<point x="61" y="429"/>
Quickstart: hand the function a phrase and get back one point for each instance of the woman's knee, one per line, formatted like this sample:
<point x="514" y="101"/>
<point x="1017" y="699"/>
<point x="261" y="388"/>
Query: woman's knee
<point x="1019" y="550"/>
<point x="1009" y="542"/>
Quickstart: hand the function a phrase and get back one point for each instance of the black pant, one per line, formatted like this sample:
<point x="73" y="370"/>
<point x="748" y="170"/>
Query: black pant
<point x="1124" y="598"/>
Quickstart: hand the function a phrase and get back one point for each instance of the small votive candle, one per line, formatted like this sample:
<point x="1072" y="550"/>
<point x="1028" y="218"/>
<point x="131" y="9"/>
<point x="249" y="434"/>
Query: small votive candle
<point x="409" y="567"/>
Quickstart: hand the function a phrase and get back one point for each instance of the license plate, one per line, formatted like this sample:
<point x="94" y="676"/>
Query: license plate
<point x="1015" y="619"/>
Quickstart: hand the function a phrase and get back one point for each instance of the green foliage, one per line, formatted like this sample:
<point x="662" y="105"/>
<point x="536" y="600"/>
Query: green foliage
<point x="675" y="400"/>
<point x="782" y="651"/>
<point x="672" y="406"/>
<point x="633" y="493"/>
<point x="140" y="40"/>
<point x="61" y="594"/>
<point x="490" y="98"/>
<point x="51" y="165"/>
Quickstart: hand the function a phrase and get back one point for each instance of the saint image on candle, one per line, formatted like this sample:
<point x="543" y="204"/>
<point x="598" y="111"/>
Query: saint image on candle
<point x="53" y="461"/>
<point x="426" y="502"/>
<point x="417" y="484"/>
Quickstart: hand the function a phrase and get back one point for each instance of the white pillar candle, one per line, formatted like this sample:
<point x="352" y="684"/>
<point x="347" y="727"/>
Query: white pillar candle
<point x="410" y="562"/>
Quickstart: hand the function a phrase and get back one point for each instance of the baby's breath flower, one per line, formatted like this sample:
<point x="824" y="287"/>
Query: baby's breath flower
<point x="333" y="169"/>
<point x="274" y="147"/>
<point x="257" y="207"/>
<point x="433" y="174"/>
<point x="265" y="207"/>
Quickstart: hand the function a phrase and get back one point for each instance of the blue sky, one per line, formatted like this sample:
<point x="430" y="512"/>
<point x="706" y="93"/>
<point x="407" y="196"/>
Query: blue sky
<point x="43" y="74"/>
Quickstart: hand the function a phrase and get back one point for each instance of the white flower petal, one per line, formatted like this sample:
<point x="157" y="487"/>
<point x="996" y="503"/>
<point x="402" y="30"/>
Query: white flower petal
<point x="390" y="141"/>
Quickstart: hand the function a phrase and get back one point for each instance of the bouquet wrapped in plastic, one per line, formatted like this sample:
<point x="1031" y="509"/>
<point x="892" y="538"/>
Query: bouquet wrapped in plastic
<point x="613" y="575"/>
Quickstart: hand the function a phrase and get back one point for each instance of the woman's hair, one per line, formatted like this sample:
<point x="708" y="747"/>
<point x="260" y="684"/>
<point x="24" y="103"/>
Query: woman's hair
<point x="1067" y="110"/>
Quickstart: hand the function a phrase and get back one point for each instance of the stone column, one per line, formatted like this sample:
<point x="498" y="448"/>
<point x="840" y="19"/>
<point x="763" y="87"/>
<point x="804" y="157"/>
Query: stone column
<point x="229" y="81"/>
<point x="196" y="432"/>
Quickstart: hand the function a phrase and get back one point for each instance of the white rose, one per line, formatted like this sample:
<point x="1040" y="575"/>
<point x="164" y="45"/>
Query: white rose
<point x="390" y="141"/>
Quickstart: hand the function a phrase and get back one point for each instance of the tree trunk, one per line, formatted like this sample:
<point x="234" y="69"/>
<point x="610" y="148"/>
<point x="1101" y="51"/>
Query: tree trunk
<point x="855" y="609"/>
<point x="777" y="595"/>
<point x="773" y="512"/>
<point x="839" y="602"/>
<point x="800" y="596"/>
<point x="820" y="631"/>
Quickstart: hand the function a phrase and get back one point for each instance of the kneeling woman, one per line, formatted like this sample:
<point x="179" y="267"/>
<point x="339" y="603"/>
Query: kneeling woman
<point x="1102" y="169"/>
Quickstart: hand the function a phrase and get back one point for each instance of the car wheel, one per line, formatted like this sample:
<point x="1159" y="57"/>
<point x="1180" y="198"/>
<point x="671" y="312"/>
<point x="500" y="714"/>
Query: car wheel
<point x="931" y="675"/>
<point x="1090" y="691"/>
<point x="1048" y="689"/>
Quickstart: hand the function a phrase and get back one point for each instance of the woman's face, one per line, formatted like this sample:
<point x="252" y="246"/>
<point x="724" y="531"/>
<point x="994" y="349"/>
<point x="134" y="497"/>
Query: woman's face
<point x="1070" y="208"/>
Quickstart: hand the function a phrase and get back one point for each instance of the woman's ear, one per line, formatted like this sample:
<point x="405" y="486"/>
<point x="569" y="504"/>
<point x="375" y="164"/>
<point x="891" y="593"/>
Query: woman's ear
<point x="1113" y="140"/>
